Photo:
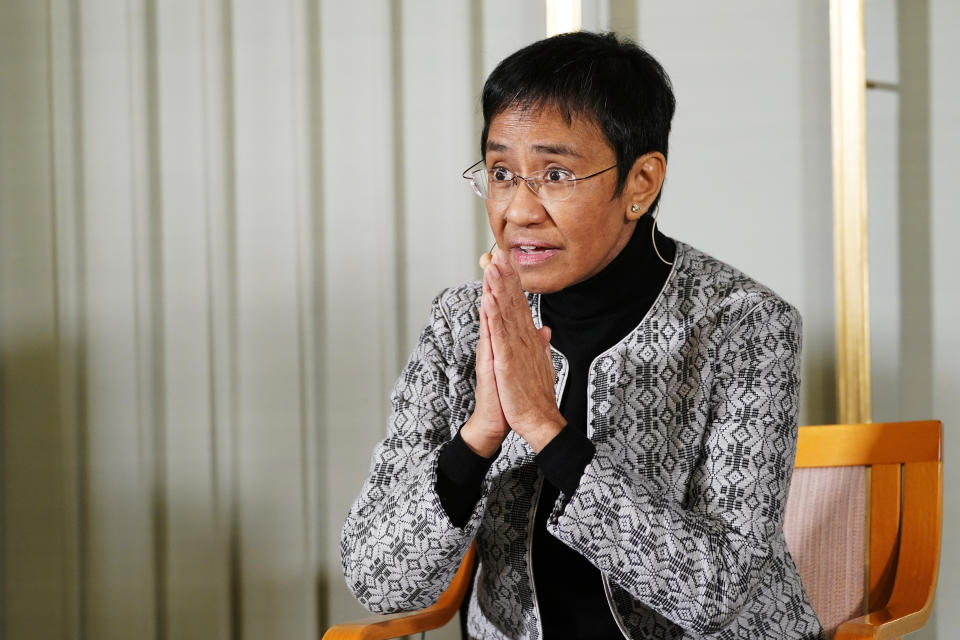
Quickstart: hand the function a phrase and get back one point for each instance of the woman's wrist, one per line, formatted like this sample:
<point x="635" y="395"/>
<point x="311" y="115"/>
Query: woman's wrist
<point x="479" y="440"/>
<point x="540" y="435"/>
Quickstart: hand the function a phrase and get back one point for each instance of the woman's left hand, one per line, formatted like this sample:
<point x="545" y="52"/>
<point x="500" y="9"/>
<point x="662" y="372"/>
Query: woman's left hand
<point x="521" y="357"/>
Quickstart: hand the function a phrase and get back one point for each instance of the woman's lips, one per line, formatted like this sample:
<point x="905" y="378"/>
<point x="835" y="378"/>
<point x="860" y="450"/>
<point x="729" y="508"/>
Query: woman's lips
<point x="526" y="255"/>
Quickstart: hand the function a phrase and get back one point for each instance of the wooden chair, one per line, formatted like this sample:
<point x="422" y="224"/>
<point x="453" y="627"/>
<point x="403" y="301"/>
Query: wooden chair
<point x="862" y="523"/>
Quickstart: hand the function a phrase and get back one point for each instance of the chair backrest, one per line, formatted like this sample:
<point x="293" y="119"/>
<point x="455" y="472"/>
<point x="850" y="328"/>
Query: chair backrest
<point x="825" y="527"/>
<point x="862" y="523"/>
<point x="860" y="495"/>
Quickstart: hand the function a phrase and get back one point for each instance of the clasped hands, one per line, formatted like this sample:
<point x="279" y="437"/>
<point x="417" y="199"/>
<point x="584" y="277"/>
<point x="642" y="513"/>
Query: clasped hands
<point x="514" y="370"/>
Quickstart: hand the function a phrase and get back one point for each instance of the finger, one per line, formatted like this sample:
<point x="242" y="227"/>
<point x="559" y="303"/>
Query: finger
<point x="494" y="319"/>
<point x="546" y="333"/>
<point x="503" y="291"/>
<point x="483" y="341"/>
<point x="509" y="323"/>
<point x="485" y="344"/>
<point x="502" y="260"/>
<point x="497" y="331"/>
<point x="502" y="296"/>
<point x="486" y="281"/>
<point x="508" y="269"/>
<point x="490" y="275"/>
<point x="486" y="392"/>
<point x="507" y="288"/>
<point x="484" y="365"/>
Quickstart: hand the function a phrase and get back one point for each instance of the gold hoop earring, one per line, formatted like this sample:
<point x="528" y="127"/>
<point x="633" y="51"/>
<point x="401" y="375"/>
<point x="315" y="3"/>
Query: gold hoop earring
<point x="653" y="236"/>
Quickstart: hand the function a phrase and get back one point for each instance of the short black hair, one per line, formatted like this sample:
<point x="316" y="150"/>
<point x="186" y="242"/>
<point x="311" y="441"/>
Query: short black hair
<point x="598" y="76"/>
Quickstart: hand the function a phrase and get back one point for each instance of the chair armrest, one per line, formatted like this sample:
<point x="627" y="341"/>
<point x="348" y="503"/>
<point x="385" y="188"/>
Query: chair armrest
<point x="401" y="624"/>
<point x="885" y="624"/>
<point x="917" y="562"/>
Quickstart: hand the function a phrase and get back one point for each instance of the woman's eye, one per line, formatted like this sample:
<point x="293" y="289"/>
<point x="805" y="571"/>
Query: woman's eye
<point x="557" y="175"/>
<point x="499" y="174"/>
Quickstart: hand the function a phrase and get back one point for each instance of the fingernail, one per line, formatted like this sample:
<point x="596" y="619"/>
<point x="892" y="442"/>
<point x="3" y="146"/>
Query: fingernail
<point x="494" y="272"/>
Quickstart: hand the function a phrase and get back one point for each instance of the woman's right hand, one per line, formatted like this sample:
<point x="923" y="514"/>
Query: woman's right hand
<point x="486" y="429"/>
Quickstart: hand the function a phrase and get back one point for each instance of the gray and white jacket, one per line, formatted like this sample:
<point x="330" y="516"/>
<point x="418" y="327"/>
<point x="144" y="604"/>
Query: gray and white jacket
<point x="694" y="419"/>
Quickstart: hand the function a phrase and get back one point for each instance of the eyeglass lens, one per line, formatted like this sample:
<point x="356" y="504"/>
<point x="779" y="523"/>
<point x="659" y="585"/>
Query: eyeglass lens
<point x="551" y="185"/>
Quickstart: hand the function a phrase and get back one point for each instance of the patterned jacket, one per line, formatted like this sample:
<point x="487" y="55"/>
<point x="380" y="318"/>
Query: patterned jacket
<point x="694" y="419"/>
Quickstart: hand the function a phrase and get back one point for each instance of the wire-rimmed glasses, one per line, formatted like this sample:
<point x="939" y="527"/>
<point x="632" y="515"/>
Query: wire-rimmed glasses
<point x="498" y="183"/>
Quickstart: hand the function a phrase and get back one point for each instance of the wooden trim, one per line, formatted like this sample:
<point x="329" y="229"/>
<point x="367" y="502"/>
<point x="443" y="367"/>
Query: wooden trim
<point x="563" y="16"/>
<point x="918" y="562"/>
<point x="884" y="532"/>
<point x="868" y="444"/>
<point x="848" y="117"/>
<point x="401" y="624"/>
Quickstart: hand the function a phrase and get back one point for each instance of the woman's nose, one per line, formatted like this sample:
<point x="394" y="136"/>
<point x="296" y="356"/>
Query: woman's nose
<point x="524" y="207"/>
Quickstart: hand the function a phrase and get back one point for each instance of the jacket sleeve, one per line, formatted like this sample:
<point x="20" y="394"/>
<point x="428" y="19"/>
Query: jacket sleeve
<point x="398" y="548"/>
<point x="697" y="563"/>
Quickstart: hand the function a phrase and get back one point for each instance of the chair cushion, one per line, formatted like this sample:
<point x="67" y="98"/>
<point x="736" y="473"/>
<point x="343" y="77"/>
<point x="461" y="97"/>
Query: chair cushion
<point x="825" y="527"/>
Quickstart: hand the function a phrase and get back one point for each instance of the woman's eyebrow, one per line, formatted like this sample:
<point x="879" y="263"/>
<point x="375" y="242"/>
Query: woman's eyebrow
<point x="557" y="149"/>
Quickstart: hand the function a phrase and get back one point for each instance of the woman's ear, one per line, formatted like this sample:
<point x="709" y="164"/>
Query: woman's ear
<point x="643" y="183"/>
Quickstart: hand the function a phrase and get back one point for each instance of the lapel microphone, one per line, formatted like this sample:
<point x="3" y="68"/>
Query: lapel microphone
<point x="487" y="258"/>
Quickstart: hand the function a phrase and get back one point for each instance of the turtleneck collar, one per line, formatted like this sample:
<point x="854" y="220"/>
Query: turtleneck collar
<point x="632" y="280"/>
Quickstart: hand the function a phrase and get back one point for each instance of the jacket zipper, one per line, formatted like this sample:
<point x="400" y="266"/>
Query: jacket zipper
<point x="613" y="610"/>
<point x="533" y="584"/>
<point x="536" y="504"/>
<point x="603" y="579"/>
<point x="607" y="592"/>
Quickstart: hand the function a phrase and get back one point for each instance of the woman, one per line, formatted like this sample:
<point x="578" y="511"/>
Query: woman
<point x="619" y="439"/>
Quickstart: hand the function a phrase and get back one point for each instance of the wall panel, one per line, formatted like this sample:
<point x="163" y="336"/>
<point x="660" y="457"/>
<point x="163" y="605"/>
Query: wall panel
<point x="882" y="107"/>
<point x="35" y="554"/>
<point x="748" y="178"/>
<point x="944" y="193"/>
<point x="440" y="233"/>
<point x="66" y="188"/>
<point x="360" y="251"/>
<point x="270" y="157"/>
<point x="220" y="279"/>
<point x="197" y="602"/>
<point x="120" y="572"/>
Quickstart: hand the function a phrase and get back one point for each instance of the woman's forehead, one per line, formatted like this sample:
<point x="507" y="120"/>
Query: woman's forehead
<point x="544" y="131"/>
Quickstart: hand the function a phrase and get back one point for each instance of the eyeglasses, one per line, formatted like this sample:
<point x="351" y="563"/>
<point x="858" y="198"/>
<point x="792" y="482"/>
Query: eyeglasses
<point x="497" y="184"/>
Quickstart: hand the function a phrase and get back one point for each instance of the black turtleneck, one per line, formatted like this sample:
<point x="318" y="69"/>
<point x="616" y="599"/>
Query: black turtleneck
<point x="586" y="319"/>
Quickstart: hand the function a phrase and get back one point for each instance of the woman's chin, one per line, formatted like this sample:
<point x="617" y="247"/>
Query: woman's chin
<point x="533" y="284"/>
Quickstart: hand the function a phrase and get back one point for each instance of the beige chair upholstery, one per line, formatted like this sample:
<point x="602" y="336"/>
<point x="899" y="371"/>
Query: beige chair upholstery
<point x="825" y="527"/>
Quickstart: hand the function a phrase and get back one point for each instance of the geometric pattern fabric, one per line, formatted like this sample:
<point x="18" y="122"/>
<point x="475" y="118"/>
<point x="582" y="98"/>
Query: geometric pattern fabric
<point x="694" y="419"/>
